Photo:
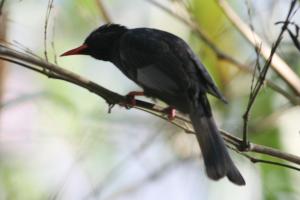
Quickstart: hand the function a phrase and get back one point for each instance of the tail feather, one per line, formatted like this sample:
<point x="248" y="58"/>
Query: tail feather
<point x="216" y="158"/>
<point x="234" y="175"/>
<point x="211" y="148"/>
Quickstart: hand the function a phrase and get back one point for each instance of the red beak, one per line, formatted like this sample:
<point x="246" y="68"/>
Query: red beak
<point x="76" y="51"/>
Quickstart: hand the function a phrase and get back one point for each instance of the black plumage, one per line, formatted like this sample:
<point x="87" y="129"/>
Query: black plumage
<point x="167" y="69"/>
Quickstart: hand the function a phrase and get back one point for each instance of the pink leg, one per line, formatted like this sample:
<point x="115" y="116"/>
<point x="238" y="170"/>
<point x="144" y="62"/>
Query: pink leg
<point x="131" y="99"/>
<point x="171" y="112"/>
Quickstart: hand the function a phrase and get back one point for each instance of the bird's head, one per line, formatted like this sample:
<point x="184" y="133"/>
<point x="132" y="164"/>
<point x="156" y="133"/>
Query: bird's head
<point x="100" y="43"/>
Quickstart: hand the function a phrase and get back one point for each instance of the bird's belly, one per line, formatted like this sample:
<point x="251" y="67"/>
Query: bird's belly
<point x="179" y="101"/>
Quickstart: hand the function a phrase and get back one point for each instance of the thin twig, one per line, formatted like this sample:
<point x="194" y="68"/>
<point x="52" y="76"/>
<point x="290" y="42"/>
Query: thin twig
<point x="295" y="100"/>
<point x="48" y="12"/>
<point x="20" y="46"/>
<point x="1" y="6"/>
<point x="293" y="36"/>
<point x="53" y="41"/>
<point x="256" y="160"/>
<point x="262" y="77"/>
<point x="283" y="70"/>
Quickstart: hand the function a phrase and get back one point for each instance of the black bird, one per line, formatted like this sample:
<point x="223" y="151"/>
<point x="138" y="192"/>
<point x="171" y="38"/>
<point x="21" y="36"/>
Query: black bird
<point x="166" y="68"/>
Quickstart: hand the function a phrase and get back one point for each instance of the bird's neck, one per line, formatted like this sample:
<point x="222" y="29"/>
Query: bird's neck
<point x="114" y="53"/>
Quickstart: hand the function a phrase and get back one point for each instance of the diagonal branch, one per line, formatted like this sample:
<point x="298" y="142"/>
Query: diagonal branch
<point x="222" y="55"/>
<point x="279" y="65"/>
<point x="103" y="11"/>
<point x="109" y="96"/>
<point x="54" y="71"/>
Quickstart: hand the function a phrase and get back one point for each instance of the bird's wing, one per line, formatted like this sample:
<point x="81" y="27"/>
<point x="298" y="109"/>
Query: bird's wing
<point x="163" y="56"/>
<point x="195" y="67"/>
<point x="203" y="74"/>
<point x="151" y="62"/>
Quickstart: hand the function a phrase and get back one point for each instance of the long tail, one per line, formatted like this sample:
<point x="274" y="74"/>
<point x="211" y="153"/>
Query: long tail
<point x="216" y="158"/>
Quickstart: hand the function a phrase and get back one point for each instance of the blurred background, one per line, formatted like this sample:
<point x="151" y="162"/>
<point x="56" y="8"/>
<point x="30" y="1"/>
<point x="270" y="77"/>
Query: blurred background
<point x="57" y="141"/>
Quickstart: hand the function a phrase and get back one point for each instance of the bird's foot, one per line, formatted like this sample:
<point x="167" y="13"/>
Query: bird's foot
<point x="130" y="99"/>
<point x="170" y="112"/>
